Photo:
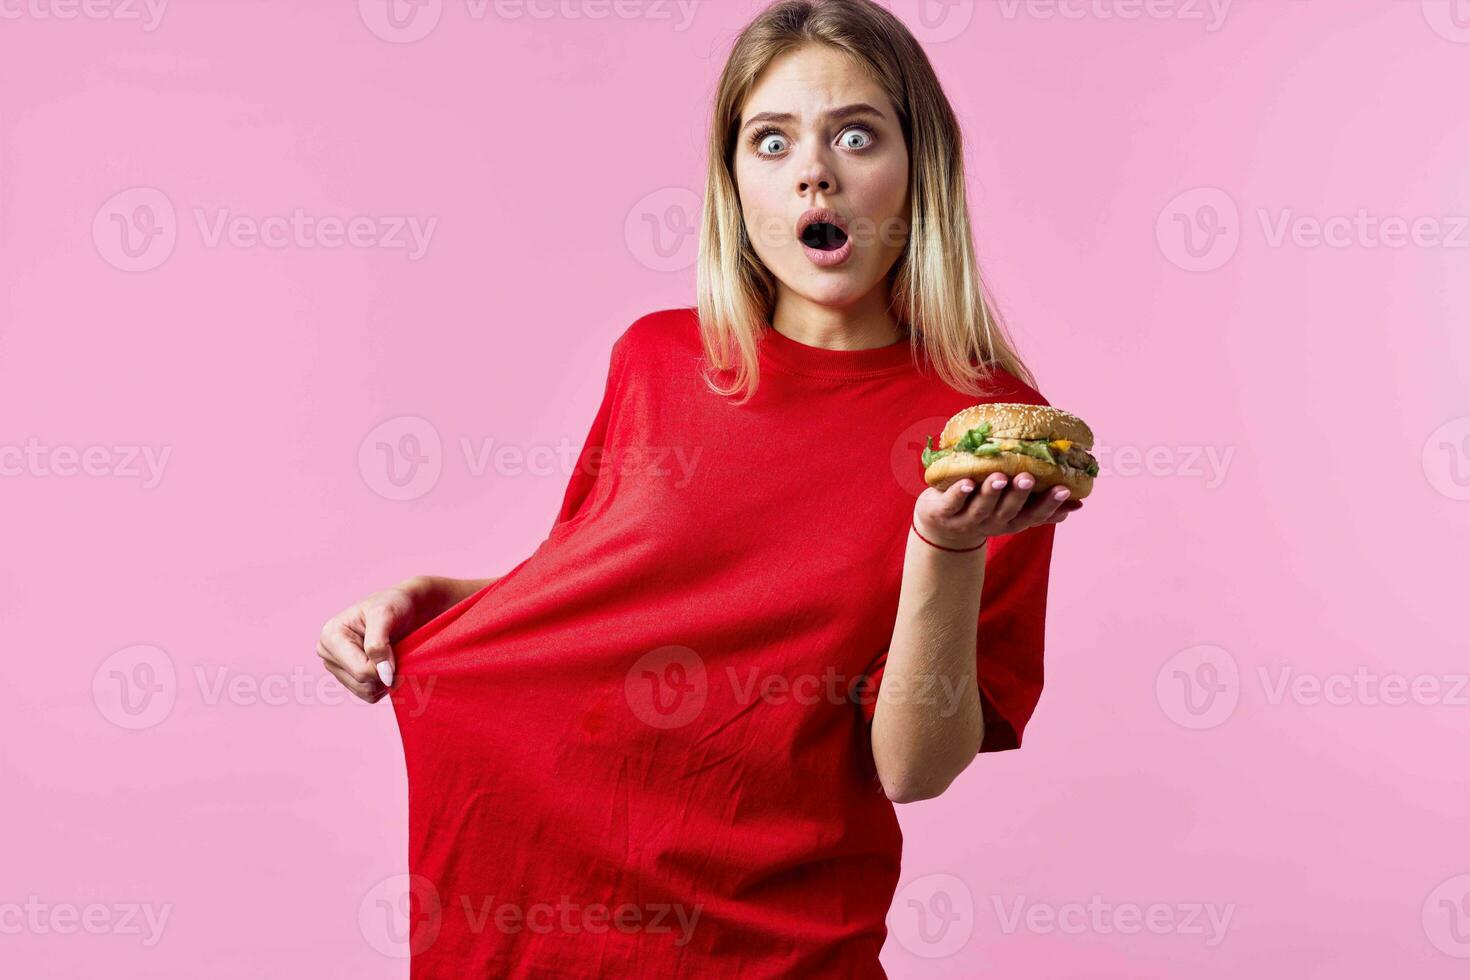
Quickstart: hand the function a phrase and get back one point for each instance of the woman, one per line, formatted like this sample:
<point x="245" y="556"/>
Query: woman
<point x="669" y="742"/>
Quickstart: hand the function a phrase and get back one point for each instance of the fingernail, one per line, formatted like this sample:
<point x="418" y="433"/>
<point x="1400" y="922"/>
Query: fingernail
<point x="999" y="482"/>
<point x="385" y="672"/>
<point x="967" y="486"/>
<point x="1063" y="493"/>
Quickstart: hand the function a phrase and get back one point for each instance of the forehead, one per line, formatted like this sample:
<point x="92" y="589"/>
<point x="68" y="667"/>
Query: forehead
<point x="808" y="81"/>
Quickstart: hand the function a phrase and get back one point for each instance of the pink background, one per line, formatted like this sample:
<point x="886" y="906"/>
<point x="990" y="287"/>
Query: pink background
<point x="1121" y="160"/>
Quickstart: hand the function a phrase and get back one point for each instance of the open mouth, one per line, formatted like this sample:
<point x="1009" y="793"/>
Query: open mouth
<point x="824" y="236"/>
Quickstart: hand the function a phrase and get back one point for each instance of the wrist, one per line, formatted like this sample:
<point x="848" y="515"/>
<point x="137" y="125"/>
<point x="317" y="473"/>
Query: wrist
<point x="938" y="542"/>
<point x="423" y="589"/>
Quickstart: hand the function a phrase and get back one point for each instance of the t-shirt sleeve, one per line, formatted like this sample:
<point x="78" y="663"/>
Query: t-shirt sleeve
<point x="590" y="460"/>
<point x="1010" y="639"/>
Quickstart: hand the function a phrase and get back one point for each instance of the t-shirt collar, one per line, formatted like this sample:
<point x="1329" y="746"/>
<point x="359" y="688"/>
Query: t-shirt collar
<point x="805" y="359"/>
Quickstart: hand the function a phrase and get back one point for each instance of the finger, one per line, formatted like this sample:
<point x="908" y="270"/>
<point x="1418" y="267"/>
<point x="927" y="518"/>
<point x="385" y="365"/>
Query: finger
<point x="989" y="495"/>
<point x="1015" y="498"/>
<point x="377" y="627"/>
<point x="341" y="645"/>
<point x="1068" y="506"/>
<point x="1044" y="504"/>
<point x="956" y="496"/>
<point x="369" y="693"/>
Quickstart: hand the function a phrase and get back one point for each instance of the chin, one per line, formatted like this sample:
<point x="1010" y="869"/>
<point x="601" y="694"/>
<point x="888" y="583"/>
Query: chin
<point x="837" y="288"/>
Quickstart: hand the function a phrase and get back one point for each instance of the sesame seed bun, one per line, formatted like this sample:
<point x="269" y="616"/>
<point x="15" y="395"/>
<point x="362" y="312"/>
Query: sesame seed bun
<point x="1010" y="420"/>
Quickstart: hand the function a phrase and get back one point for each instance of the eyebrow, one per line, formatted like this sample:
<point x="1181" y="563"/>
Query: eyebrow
<point x="842" y="112"/>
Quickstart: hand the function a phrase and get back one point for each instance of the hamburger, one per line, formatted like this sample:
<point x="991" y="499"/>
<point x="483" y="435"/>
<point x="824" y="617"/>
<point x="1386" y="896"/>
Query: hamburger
<point x="1010" y="438"/>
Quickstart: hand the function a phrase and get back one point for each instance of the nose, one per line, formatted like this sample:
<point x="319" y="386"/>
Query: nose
<point x="816" y="175"/>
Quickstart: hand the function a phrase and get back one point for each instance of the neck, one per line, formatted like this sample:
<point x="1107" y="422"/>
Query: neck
<point x="862" y="326"/>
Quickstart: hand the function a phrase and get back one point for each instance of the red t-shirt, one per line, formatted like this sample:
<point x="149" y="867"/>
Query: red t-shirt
<point x="644" y="751"/>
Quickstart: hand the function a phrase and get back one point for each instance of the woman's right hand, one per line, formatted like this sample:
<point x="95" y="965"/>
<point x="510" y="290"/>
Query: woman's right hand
<point x="356" y="644"/>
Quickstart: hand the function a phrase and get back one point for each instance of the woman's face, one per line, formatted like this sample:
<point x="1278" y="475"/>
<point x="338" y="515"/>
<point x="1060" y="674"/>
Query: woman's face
<point x="823" y="153"/>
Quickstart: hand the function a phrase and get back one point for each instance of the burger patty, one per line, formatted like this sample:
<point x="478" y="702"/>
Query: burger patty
<point x="1078" y="459"/>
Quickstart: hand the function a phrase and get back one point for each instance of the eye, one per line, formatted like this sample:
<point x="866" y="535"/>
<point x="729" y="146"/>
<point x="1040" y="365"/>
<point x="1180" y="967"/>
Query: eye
<point x="863" y="131"/>
<point x="758" y="141"/>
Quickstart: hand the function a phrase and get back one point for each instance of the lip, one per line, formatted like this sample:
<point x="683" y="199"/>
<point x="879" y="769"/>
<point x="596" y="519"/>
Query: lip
<point x="814" y="215"/>
<point x="818" y="257"/>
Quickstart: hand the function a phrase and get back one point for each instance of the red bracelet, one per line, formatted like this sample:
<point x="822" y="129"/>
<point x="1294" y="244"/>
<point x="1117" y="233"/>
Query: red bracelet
<point x="928" y="542"/>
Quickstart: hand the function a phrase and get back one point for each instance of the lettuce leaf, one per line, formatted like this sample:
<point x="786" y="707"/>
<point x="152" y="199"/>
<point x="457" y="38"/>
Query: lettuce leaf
<point x="1037" y="448"/>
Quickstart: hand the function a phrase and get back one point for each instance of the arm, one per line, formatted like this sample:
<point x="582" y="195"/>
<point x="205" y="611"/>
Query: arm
<point x="438" y="594"/>
<point x="927" y="723"/>
<point x="930" y="717"/>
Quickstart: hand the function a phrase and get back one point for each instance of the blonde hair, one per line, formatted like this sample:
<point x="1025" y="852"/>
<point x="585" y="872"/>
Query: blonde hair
<point x="937" y="294"/>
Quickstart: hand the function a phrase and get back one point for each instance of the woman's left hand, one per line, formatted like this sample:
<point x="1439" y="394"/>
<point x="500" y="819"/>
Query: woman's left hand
<point x="960" y="518"/>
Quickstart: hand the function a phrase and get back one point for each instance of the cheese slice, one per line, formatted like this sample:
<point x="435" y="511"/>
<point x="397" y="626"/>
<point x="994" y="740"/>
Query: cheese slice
<point x="1059" y="444"/>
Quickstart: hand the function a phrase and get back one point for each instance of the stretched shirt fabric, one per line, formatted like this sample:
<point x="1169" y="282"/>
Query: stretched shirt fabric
<point x="644" y="751"/>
